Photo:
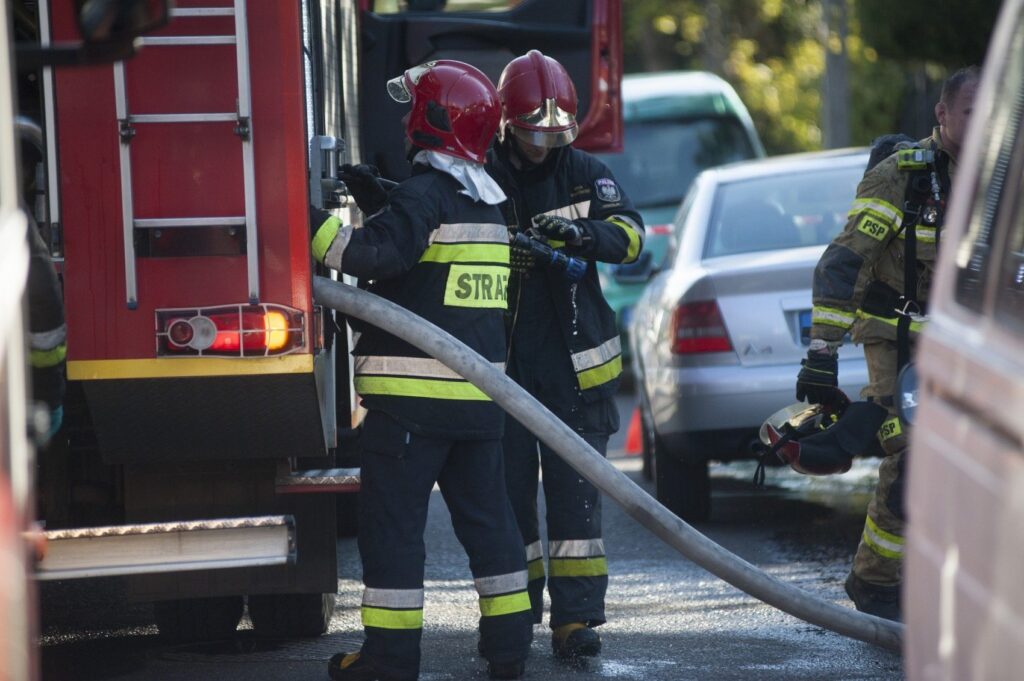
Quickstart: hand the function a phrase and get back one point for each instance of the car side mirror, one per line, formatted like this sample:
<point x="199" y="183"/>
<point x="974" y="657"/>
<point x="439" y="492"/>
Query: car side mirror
<point x="906" y="394"/>
<point x="637" y="272"/>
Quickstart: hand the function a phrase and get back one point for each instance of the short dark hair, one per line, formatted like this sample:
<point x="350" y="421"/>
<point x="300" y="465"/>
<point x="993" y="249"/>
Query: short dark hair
<point x="951" y="88"/>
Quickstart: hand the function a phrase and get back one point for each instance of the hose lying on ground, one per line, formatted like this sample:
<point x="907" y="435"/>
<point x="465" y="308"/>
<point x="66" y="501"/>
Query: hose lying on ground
<point x="600" y="472"/>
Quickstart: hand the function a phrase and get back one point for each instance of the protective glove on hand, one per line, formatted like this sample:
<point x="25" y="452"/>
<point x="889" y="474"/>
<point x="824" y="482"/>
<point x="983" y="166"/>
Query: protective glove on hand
<point x="818" y="379"/>
<point x="559" y="228"/>
<point x="520" y="256"/>
<point x="363" y="182"/>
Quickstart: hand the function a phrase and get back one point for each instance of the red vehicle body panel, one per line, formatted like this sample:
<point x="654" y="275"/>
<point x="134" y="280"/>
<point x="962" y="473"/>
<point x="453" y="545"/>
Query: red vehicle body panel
<point x="181" y="170"/>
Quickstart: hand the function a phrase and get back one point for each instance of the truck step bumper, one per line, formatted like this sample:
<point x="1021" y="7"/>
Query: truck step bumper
<point x="167" y="547"/>
<point x="333" y="480"/>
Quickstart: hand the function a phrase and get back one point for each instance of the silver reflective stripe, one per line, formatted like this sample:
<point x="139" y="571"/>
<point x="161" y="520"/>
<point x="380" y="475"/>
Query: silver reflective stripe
<point x="580" y="209"/>
<point x="833" y="316"/>
<point x="469" y="232"/>
<point x="393" y="598"/>
<point x="588" y="359"/>
<point x="337" y="250"/>
<point x="878" y="207"/>
<point x="534" y="551"/>
<point x="421" y="367"/>
<point x="501" y="584"/>
<point x="631" y="222"/>
<point x="576" y="548"/>
<point x="48" y="340"/>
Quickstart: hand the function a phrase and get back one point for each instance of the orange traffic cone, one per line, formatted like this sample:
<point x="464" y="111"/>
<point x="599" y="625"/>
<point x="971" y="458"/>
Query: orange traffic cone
<point x="634" y="439"/>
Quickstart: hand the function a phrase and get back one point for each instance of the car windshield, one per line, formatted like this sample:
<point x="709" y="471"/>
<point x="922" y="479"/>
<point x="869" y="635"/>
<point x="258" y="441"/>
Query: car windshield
<point x="661" y="158"/>
<point x="806" y="208"/>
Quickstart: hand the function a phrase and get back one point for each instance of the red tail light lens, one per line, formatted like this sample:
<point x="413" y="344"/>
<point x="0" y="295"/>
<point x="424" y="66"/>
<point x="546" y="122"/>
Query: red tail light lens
<point x="230" y="331"/>
<point x="699" y="327"/>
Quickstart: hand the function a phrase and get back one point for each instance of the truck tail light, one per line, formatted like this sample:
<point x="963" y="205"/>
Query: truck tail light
<point x="229" y="331"/>
<point x="699" y="327"/>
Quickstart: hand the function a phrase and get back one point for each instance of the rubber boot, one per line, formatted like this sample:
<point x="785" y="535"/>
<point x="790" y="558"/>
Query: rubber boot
<point x="874" y="599"/>
<point x="575" y="640"/>
<point x="354" y="667"/>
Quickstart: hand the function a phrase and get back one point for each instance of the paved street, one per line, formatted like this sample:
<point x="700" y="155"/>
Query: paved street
<point x="668" y="620"/>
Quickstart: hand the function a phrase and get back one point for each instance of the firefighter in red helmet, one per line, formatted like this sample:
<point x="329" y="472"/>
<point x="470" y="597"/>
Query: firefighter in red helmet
<point x="437" y="245"/>
<point x="564" y="344"/>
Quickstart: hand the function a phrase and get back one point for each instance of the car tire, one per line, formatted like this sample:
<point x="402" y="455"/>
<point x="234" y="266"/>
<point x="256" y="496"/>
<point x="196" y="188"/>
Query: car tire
<point x="291" y="615"/>
<point x="683" y="487"/>
<point x="195" y="620"/>
<point x="646" y="445"/>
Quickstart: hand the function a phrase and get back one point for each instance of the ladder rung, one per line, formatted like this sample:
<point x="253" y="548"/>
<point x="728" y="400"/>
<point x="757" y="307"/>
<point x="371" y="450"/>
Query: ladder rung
<point x="157" y="41"/>
<point x="203" y="12"/>
<point x="167" y="223"/>
<point x="185" y="118"/>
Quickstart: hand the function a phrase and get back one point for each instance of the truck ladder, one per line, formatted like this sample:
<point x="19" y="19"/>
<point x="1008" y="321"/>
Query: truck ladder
<point x="243" y="128"/>
<point x="167" y="547"/>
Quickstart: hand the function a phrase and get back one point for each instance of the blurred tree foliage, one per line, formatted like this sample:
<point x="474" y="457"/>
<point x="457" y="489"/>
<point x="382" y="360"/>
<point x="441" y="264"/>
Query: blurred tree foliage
<point x="773" y="53"/>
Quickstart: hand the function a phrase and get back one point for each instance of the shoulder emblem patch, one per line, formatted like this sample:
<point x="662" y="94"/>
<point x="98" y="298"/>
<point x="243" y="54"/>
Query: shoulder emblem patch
<point x="607" y="190"/>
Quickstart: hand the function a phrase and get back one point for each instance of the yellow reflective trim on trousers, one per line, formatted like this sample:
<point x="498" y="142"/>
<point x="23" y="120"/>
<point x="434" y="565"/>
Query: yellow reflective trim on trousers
<point x="883" y="543"/>
<point x="535" y="569"/>
<point x="633" y="250"/>
<point x="832" y="317"/>
<point x="916" y="327"/>
<point x="397" y="386"/>
<point x="462" y="253"/>
<point x="324" y="236"/>
<point x="493" y="606"/>
<point x="606" y="372"/>
<point x="382" y="618"/>
<point x="44" y="359"/>
<point x="579" y="567"/>
<point x="477" y="286"/>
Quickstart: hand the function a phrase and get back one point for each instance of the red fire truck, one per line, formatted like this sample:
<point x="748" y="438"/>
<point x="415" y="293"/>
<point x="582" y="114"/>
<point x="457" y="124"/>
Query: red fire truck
<point x="207" y="391"/>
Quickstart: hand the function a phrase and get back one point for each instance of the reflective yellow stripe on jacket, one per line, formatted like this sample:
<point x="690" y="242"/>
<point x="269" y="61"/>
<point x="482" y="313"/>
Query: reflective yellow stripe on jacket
<point x="413" y="377"/>
<point x="598" y="365"/>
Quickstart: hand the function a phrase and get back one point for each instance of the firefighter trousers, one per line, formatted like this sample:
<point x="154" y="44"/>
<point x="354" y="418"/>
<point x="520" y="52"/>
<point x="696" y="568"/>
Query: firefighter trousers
<point x="879" y="558"/>
<point x="399" y="470"/>
<point x="578" y="570"/>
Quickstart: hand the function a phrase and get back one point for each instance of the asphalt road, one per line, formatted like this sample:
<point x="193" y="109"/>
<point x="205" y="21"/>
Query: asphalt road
<point x="668" y="620"/>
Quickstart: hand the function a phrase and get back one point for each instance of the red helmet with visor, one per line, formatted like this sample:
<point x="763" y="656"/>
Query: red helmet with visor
<point x="455" y="108"/>
<point x="538" y="101"/>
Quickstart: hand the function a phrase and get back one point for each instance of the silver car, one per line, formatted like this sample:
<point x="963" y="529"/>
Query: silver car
<point x="717" y="337"/>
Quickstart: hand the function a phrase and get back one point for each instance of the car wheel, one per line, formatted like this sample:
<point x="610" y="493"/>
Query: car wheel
<point x="291" y="615"/>
<point x="683" y="487"/>
<point x="198" y="619"/>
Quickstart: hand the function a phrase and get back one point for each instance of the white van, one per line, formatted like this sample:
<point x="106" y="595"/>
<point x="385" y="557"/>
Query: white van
<point x="963" y="584"/>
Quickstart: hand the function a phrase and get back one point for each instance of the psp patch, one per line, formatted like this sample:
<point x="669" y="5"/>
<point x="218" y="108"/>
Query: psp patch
<point x="607" y="190"/>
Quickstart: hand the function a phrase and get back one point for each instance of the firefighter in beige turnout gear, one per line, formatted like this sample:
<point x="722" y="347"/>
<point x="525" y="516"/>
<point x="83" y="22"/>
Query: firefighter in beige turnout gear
<point x="861" y="286"/>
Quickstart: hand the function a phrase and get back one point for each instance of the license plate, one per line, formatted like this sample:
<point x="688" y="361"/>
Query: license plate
<point x="805" y="327"/>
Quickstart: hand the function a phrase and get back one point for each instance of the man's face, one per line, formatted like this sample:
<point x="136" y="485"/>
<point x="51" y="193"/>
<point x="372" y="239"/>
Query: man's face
<point x="531" y="152"/>
<point x="954" y="116"/>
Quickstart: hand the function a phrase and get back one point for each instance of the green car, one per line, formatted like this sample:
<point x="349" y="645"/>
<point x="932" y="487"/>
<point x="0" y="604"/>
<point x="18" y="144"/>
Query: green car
<point x="677" y="123"/>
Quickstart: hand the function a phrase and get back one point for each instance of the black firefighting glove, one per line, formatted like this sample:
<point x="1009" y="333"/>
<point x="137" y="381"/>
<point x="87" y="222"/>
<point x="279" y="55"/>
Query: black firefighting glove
<point x="818" y="379"/>
<point x="520" y="254"/>
<point x="559" y="228"/>
<point x="363" y="182"/>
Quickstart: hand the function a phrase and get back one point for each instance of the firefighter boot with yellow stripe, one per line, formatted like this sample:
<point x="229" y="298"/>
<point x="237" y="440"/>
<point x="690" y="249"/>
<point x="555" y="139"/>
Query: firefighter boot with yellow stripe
<point x="575" y="640"/>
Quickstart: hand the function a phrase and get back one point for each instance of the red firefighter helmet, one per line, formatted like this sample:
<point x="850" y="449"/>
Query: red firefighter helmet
<point x="455" y="108"/>
<point x="538" y="101"/>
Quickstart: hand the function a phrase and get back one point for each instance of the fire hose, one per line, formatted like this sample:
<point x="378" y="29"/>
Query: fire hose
<point x="600" y="472"/>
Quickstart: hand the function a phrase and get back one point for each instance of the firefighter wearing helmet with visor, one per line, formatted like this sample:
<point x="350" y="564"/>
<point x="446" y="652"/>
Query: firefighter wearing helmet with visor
<point x="564" y="345"/>
<point x="435" y="244"/>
